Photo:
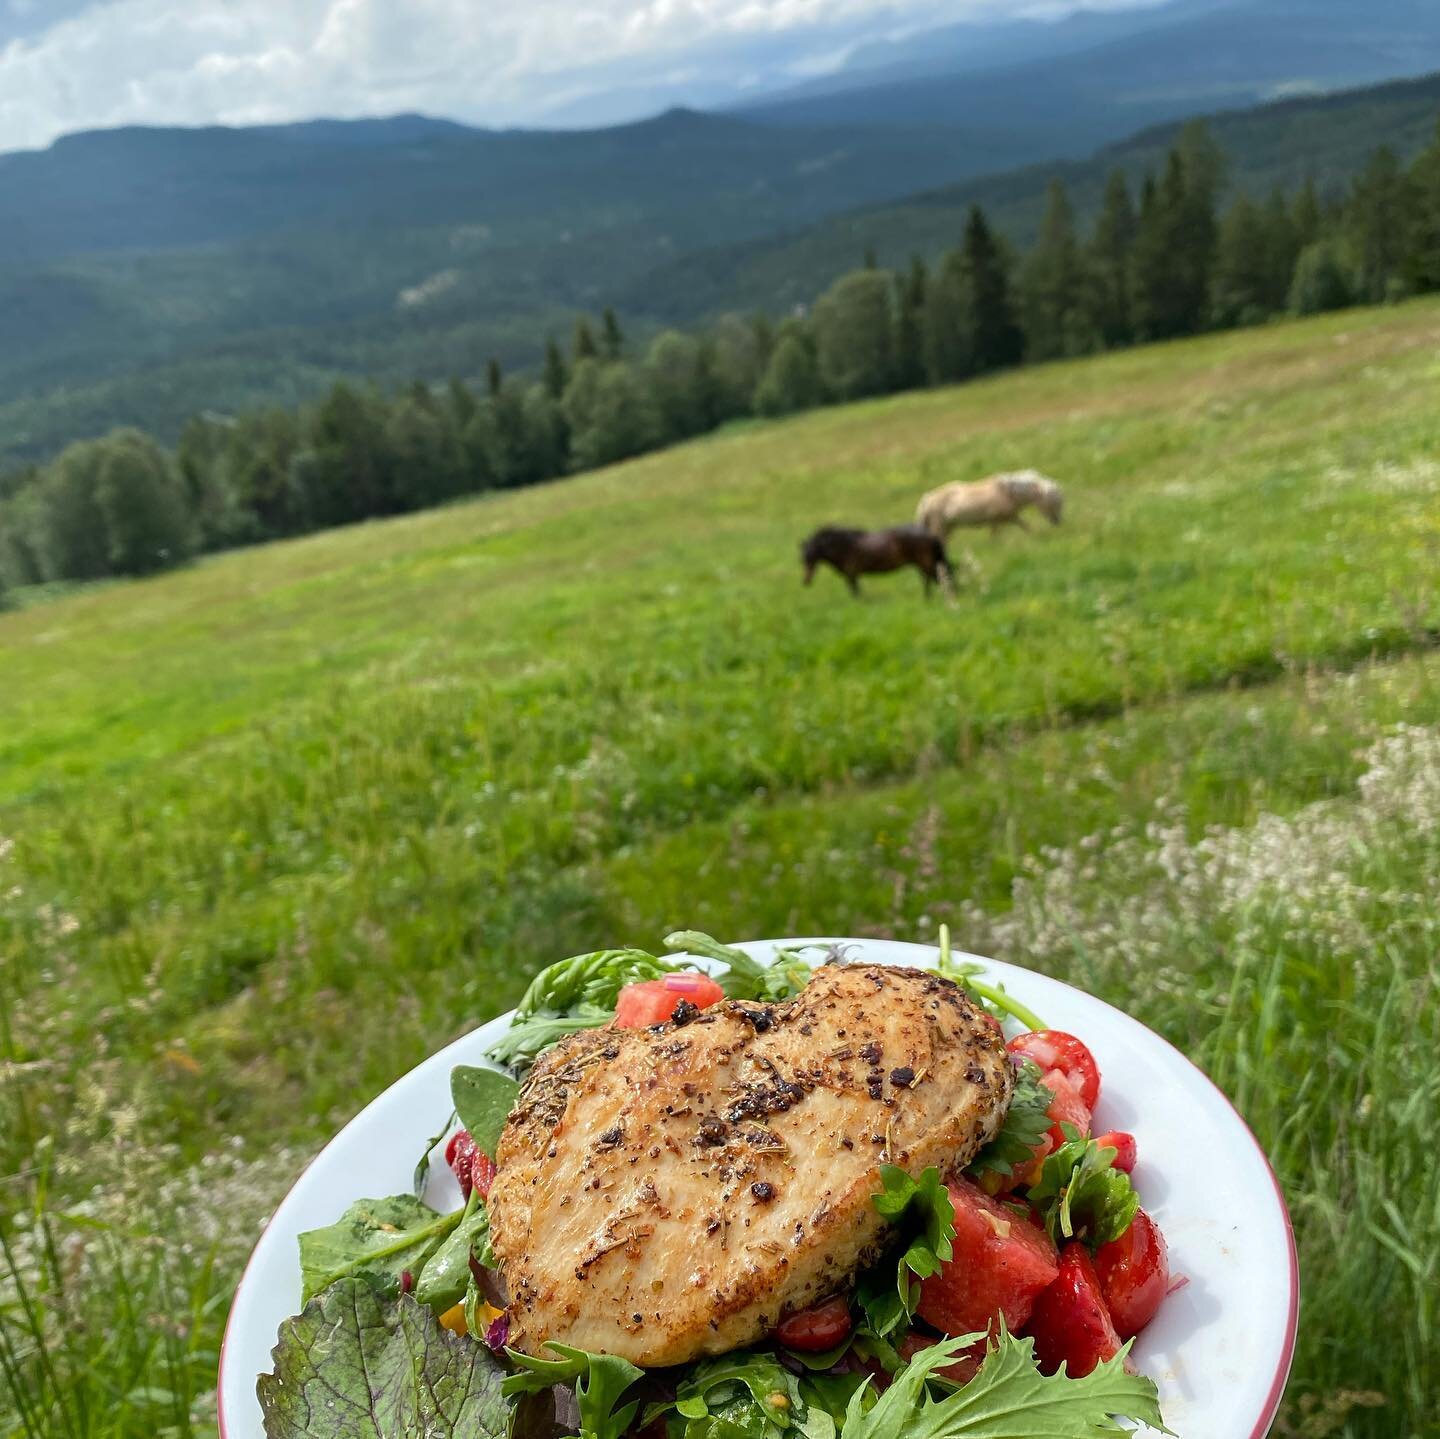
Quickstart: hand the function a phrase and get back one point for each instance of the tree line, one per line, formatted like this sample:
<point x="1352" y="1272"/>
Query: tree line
<point x="1166" y="262"/>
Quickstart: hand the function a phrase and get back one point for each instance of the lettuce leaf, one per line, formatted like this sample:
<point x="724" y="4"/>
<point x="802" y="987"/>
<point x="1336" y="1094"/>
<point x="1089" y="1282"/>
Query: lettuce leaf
<point x="377" y="1239"/>
<point x="389" y="1369"/>
<point x="1008" y="1399"/>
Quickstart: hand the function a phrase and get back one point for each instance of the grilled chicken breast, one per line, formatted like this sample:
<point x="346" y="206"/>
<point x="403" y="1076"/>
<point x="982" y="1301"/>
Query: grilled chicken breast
<point x="671" y="1192"/>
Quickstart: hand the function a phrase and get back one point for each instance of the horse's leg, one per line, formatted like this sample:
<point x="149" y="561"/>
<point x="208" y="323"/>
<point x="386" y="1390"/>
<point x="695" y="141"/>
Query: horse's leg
<point x="853" y="583"/>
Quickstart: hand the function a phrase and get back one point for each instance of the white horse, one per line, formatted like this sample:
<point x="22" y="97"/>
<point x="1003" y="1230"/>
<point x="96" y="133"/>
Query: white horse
<point x="995" y="501"/>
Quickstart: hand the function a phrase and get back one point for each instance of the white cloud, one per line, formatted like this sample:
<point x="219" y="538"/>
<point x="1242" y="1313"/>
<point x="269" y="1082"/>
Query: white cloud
<point x="495" y="61"/>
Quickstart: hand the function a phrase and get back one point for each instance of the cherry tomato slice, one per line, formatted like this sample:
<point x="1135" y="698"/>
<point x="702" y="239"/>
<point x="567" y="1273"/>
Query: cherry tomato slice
<point x="1124" y="1146"/>
<point x="1134" y="1274"/>
<point x="813" y="1331"/>
<point x="1054" y="1049"/>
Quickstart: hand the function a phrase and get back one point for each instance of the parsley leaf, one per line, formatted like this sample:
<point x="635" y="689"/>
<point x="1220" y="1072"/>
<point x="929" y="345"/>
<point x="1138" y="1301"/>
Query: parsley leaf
<point x="1026" y="1123"/>
<point x="1081" y="1195"/>
<point x="922" y="1207"/>
<point x="599" y="1380"/>
<point x="354" y="1366"/>
<point x="378" y="1239"/>
<point x="1008" y="1399"/>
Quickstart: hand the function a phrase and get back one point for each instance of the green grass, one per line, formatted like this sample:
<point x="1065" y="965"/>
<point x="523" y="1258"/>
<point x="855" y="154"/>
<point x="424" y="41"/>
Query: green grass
<point x="276" y="827"/>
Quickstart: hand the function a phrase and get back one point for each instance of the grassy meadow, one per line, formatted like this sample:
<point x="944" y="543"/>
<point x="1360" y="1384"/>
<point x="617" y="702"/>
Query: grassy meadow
<point x="275" y="827"/>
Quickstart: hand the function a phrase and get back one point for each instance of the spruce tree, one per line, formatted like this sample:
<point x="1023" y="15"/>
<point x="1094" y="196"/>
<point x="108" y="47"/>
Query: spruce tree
<point x="947" y="337"/>
<point x="1109" y="264"/>
<point x="585" y="347"/>
<point x="1375" y="225"/>
<point x="1422" y="232"/>
<point x="1306" y="215"/>
<point x="1052" y="286"/>
<point x="909" y="326"/>
<point x="1282" y="248"/>
<point x="555" y="372"/>
<point x="494" y="377"/>
<point x="994" y="336"/>
<point x="1242" y="278"/>
<point x="612" y="341"/>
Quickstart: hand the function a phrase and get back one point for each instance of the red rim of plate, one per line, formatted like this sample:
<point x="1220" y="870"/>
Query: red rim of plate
<point x="1292" y="1321"/>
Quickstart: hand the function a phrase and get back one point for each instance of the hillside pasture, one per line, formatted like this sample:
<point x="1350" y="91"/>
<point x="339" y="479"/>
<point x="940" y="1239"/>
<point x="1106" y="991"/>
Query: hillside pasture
<point x="275" y="827"/>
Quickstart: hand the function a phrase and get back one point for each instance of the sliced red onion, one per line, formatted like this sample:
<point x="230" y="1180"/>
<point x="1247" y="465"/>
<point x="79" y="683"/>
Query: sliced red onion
<point x="1177" y="1284"/>
<point x="498" y="1334"/>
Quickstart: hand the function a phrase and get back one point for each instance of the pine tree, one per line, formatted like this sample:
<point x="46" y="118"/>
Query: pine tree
<point x="494" y="378"/>
<point x="994" y="336"/>
<point x="1053" y="311"/>
<point x="946" y="322"/>
<point x="1376" y="220"/>
<point x="910" y="326"/>
<point x="612" y="341"/>
<point x="460" y="402"/>
<point x="1109" y="264"/>
<point x="585" y="347"/>
<point x="555" y="372"/>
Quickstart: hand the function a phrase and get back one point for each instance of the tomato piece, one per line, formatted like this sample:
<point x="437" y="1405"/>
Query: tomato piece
<point x="1070" y="1323"/>
<point x="1124" y="1146"/>
<point x="1054" y="1049"/>
<point x="1134" y="1273"/>
<point x="1000" y="1263"/>
<point x="962" y="1371"/>
<point x="473" y="1168"/>
<point x="814" y="1330"/>
<point x="654" y="1001"/>
<point x="1067" y="1107"/>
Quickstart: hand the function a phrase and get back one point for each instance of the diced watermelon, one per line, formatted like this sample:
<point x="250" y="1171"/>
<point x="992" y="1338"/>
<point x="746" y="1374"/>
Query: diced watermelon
<point x="1070" y="1322"/>
<point x="1001" y="1262"/>
<point x="654" y="1001"/>
<point x="962" y="1371"/>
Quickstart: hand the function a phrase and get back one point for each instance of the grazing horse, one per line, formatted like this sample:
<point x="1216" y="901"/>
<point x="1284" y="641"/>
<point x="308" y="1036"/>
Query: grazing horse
<point x="996" y="501"/>
<point x="877" y="552"/>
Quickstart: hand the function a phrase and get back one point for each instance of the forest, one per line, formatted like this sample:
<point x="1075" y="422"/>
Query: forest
<point x="1169" y="261"/>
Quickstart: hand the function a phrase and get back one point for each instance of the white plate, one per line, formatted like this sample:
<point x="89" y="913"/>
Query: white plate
<point x="1219" y="1349"/>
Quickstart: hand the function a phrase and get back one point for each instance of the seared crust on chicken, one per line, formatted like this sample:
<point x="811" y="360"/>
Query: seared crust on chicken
<point x="671" y="1192"/>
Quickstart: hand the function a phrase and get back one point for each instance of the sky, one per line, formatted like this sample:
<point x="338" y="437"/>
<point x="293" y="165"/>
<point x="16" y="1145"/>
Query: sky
<point x="70" y="65"/>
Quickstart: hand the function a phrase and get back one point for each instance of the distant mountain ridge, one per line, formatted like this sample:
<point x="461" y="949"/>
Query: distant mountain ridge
<point x="146" y="274"/>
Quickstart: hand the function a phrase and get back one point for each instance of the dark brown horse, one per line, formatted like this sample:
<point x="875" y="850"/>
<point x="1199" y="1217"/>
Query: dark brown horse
<point x="877" y="552"/>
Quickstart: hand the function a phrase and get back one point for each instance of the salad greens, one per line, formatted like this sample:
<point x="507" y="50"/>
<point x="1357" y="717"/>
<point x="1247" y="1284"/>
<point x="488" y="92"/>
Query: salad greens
<point x="377" y="1239"/>
<point x="483" y="1101"/>
<point x="599" y="1382"/>
<point x="572" y="995"/>
<point x="354" y="1365"/>
<point x="746" y="978"/>
<point x="920" y="1208"/>
<point x="443" y="1280"/>
<point x="1080" y="1193"/>
<point x="1008" y="1399"/>
<point x="1026" y="1123"/>
<point x="991" y="997"/>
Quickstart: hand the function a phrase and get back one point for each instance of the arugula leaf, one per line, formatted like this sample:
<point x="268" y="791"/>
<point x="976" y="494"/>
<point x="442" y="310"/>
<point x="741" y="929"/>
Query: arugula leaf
<point x="1008" y="1399"/>
<point x="571" y="995"/>
<point x="1026" y="1123"/>
<point x="1080" y="1194"/>
<point x="599" y="1380"/>
<point x="923" y="1207"/>
<point x="422" y="1166"/>
<point x="483" y="1101"/>
<point x="376" y="1238"/>
<point x="354" y="1366"/>
<point x="442" y="1282"/>
<point x="746" y="978"/>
